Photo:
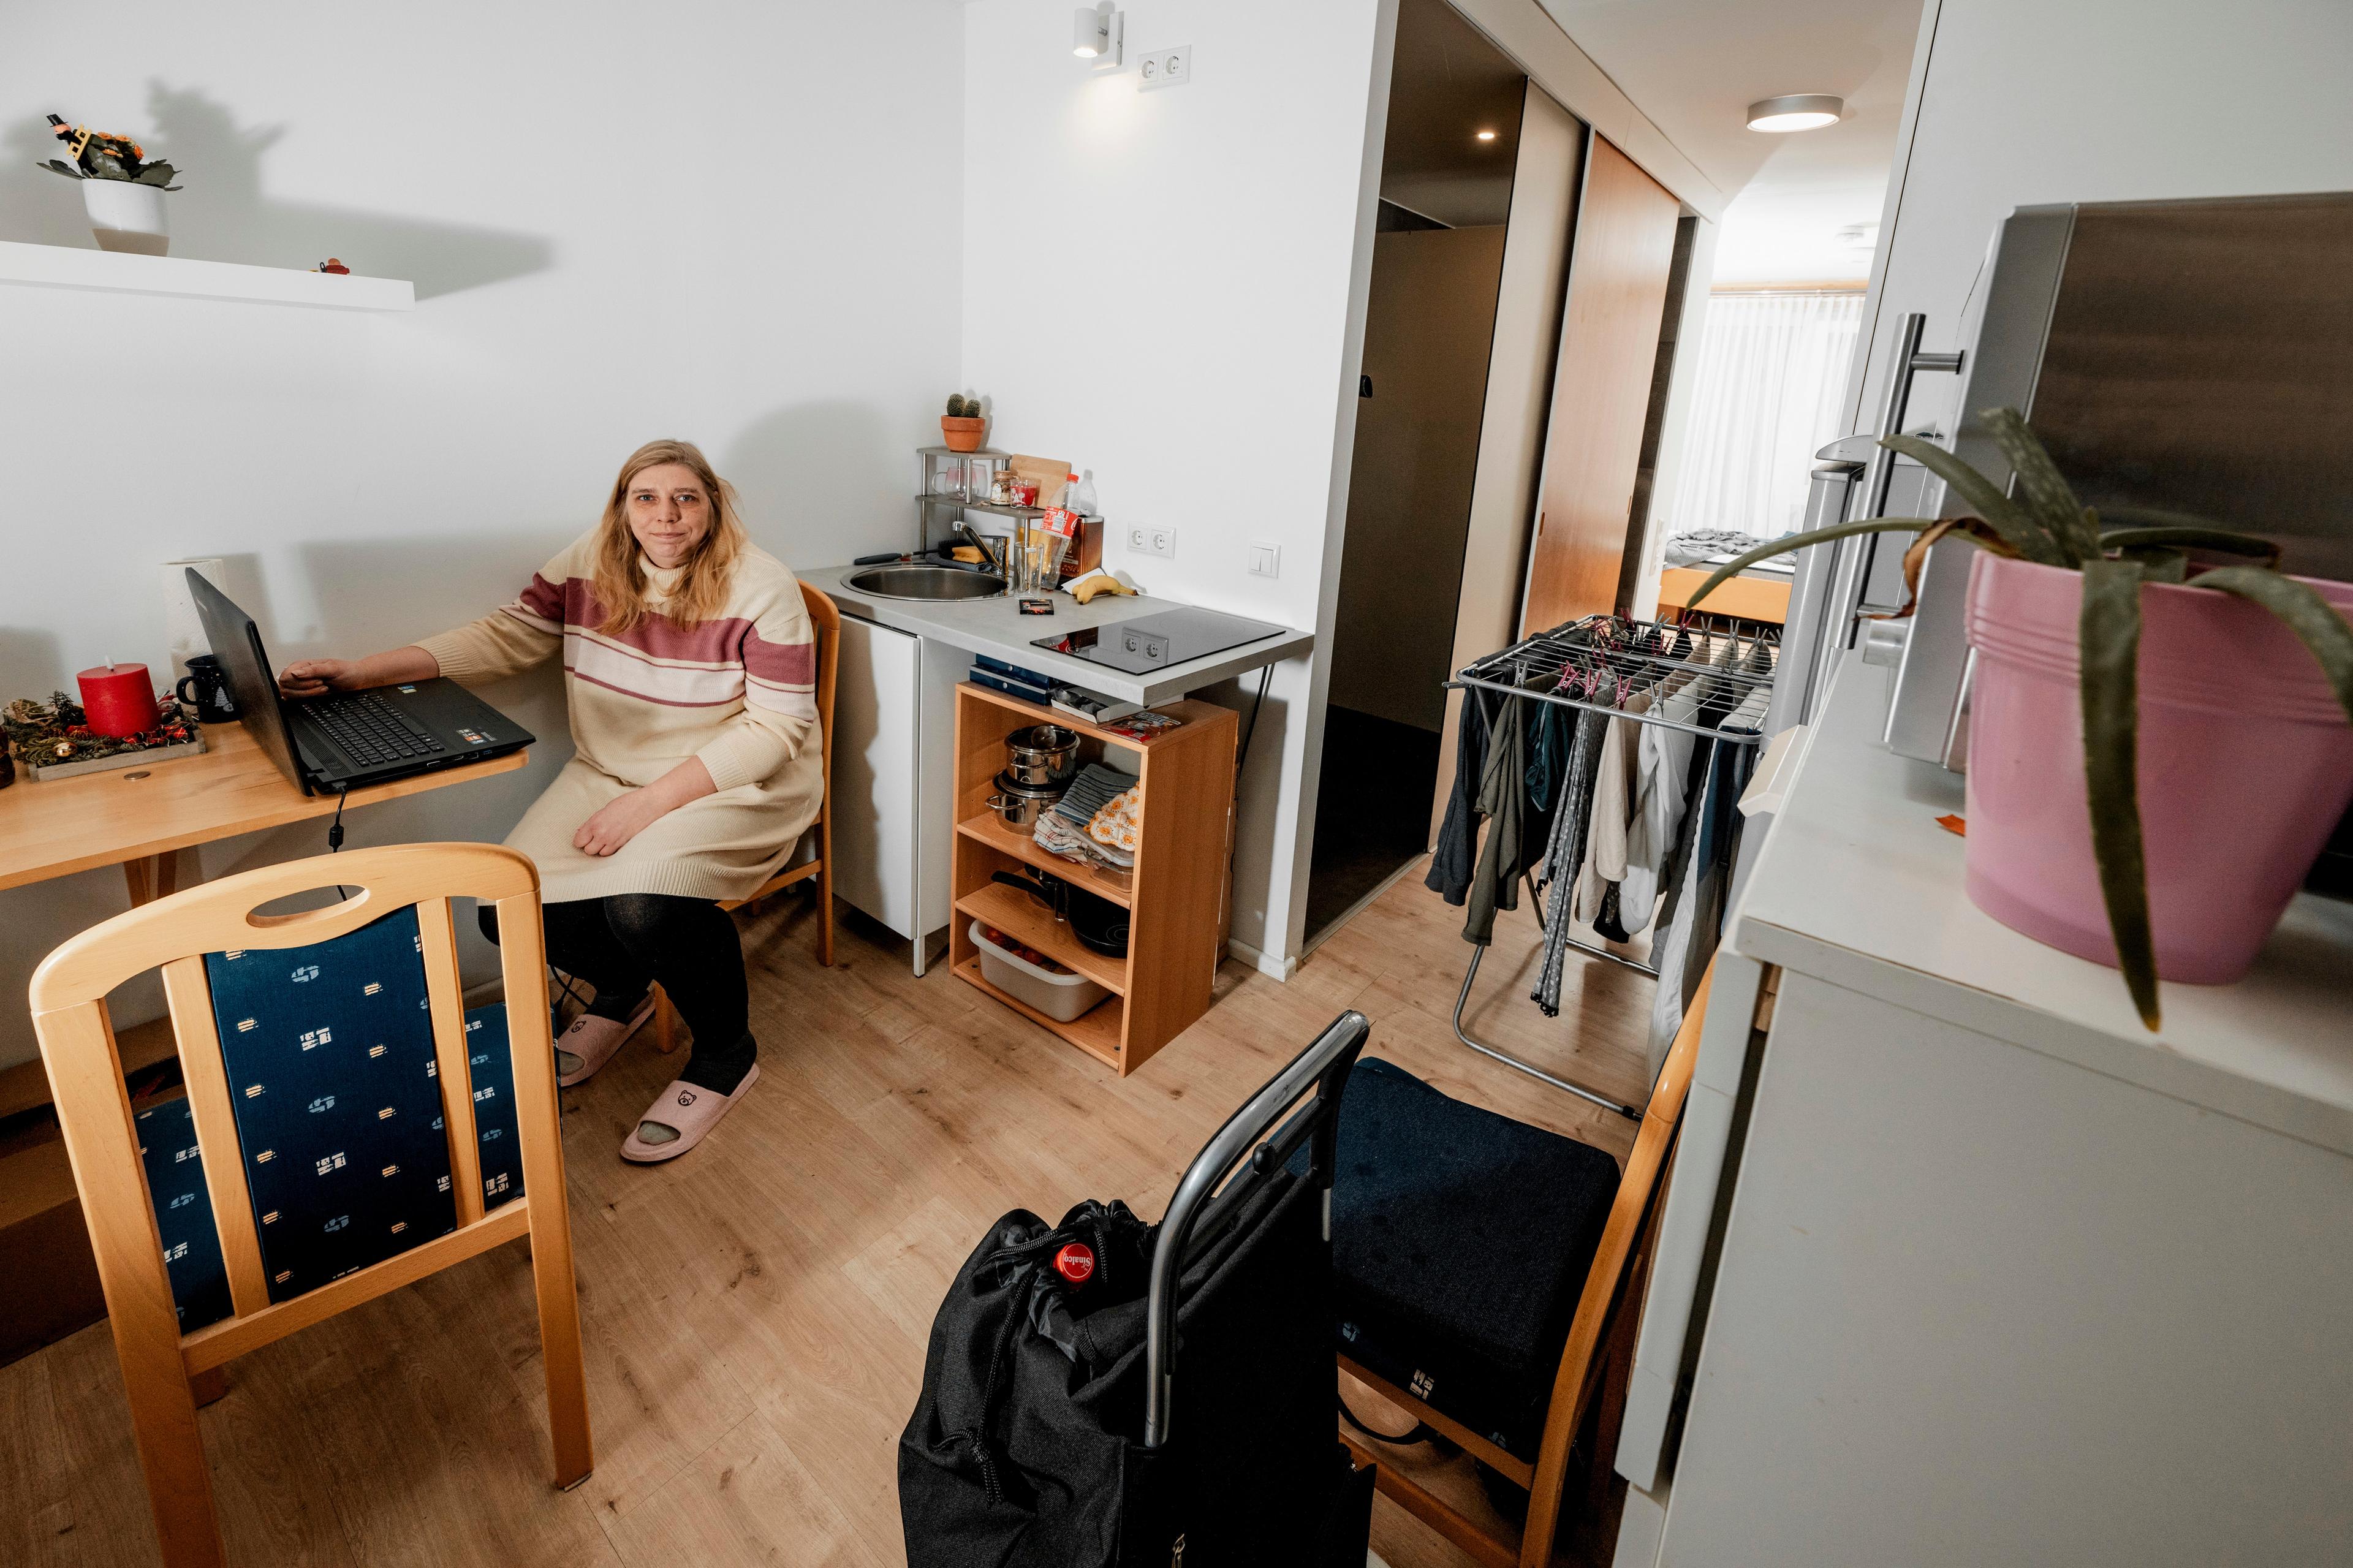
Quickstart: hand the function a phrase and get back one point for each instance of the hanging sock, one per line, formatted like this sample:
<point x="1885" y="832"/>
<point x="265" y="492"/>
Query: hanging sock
<point x="1607" y="922"/>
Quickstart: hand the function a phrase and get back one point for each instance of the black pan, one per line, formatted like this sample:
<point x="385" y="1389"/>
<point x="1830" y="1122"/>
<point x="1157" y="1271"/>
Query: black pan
<point x="1098" y="922"/>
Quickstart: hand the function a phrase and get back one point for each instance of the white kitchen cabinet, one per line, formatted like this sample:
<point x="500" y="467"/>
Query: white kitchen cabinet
<point x="893" y="775"/>
<point x="1981" y="1271"/>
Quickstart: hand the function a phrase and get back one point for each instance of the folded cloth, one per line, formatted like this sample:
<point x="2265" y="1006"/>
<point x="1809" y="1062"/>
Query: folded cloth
<point x="1062" y="827"/>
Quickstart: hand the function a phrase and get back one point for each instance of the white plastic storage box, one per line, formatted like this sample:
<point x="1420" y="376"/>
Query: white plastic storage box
<point x="1061" y="997"/>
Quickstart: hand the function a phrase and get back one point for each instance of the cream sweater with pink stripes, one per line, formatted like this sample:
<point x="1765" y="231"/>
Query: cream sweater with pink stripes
<point x="737" y="692"/>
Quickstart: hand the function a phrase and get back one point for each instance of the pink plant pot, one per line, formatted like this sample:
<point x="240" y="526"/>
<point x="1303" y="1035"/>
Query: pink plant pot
<point x="2246" y="763"/>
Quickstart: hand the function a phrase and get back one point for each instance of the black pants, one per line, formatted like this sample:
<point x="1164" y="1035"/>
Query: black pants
<point x="622" y="944"/>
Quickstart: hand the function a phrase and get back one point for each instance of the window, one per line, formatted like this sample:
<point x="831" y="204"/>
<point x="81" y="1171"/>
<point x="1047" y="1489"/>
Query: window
<point x="1772" y="391"/>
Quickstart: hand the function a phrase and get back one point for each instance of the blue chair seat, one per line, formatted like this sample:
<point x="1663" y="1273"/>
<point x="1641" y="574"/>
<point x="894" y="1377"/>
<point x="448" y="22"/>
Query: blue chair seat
<point x="1460" y="1242"/>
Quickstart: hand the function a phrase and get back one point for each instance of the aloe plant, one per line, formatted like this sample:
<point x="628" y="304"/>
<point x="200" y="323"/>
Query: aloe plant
<point x="2045" y="523"/>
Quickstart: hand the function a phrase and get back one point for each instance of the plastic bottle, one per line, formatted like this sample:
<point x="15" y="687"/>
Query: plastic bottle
<point x="1081" y="499"/>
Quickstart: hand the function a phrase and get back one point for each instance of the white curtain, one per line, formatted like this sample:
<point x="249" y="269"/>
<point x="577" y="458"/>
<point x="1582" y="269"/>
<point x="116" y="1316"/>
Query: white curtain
<point x="1771" y="390"/>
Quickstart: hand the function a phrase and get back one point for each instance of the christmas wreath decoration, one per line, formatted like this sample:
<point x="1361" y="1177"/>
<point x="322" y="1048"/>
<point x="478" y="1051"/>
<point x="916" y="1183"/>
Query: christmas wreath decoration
<point x="47" y="734"/>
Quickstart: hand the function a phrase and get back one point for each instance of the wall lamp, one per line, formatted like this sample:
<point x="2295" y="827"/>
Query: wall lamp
<point x="1095" y="34"/>
<point x="1796" y="111"/>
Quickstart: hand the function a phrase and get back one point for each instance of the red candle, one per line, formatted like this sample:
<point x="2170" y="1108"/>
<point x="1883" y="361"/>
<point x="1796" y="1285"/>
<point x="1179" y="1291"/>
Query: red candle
<point x="118" y="699"/>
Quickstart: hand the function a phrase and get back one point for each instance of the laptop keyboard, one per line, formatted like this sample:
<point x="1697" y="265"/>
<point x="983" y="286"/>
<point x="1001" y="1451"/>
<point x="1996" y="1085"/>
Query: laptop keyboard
<point x="372" y="730"/>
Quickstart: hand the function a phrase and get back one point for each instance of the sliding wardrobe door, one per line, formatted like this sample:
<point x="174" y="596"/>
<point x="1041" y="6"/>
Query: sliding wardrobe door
<point x="1619" y="269"/>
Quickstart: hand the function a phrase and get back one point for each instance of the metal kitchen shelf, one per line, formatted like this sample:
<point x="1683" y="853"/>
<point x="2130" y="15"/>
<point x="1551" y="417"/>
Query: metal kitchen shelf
<point x="987" y="506"/>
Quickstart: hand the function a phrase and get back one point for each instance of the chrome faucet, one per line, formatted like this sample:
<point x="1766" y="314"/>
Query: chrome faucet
<point x="991" y="550"/>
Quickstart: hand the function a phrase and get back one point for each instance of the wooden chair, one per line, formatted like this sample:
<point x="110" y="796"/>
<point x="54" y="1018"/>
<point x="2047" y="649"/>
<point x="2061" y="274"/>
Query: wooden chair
<point x="825" y="619"/>
<point x="1600" y="1340"/>
<point x="163" y="1369"/>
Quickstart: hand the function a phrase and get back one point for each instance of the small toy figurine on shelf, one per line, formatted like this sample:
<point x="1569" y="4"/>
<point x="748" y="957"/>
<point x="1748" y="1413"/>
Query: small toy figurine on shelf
<point x="123" y="191"/>
<point x="331" y="265"/>
<point x="98" y="156"/>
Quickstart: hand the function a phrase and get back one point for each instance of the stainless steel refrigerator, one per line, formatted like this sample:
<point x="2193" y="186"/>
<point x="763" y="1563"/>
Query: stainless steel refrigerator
<point x="2195" y="356"/>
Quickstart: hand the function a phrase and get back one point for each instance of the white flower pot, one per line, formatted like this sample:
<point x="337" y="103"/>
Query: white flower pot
<point x="127" y="217"/>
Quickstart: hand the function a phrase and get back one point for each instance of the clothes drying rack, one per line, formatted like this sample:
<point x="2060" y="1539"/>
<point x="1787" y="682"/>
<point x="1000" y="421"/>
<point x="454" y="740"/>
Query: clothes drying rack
<point x="1565" y="653"/>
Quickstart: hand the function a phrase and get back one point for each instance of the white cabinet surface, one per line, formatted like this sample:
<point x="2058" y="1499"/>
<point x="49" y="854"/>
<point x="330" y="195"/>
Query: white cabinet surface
<point x="1986" y="1273"/>
<point x="892" y="776"/>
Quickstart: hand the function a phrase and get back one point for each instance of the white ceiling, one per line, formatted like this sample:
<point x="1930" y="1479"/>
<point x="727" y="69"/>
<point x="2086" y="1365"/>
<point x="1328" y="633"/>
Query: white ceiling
<point x="1694" y="66"/>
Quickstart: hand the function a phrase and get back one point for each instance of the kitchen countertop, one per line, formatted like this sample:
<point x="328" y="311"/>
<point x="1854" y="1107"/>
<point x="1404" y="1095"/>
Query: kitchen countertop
<point x="996" y="627"/>
<point x="1857" y="885"/>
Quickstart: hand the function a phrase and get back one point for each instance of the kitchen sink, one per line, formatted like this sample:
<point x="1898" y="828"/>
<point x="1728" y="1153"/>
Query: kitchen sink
<point x="924" y="583"/>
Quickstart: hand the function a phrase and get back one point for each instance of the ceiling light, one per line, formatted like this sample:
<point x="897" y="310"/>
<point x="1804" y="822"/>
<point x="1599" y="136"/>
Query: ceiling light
<point x="1095" y="34"/>
<point x="1796" y="111"/>
<point x="1487" y="136"/>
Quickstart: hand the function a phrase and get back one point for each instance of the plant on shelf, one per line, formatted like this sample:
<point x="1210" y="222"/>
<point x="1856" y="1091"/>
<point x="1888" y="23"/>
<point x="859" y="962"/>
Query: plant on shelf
<point x="123" y="191"/>
<point x="2253" y="762"/>
<point x="961" y="425"/>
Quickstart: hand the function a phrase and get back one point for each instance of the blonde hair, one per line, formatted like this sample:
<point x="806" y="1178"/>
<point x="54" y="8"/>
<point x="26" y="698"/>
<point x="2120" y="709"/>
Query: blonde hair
<point x="703" y="584"/>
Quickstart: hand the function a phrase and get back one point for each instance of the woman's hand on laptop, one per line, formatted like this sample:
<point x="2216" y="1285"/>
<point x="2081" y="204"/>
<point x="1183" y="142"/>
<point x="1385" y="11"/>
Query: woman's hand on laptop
<point x="317" y="676"/>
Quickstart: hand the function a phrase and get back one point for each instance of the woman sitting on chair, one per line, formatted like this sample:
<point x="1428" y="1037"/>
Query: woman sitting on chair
<point x="691" y="673"/>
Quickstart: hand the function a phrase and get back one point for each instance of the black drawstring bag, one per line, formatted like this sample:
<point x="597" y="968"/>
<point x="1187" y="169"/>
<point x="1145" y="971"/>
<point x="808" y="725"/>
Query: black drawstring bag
<point x="1027" y="1446"/>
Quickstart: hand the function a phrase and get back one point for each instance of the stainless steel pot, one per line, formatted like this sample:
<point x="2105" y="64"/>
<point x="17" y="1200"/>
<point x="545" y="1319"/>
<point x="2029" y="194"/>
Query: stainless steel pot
<point x="1040" y="775"/>
<point x="1041" y="755"/>
<point x="1019" y="803"/>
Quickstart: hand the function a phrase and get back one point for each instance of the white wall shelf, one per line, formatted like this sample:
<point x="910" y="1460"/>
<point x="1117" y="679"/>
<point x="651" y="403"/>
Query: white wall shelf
<point x="66" y="266"/>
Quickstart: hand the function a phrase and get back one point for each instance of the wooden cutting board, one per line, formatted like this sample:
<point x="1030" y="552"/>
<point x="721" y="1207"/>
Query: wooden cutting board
<point x="1051" y="473"/>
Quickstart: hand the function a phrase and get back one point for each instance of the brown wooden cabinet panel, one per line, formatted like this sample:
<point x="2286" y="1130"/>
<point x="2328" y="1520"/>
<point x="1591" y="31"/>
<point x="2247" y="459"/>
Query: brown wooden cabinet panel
<point x="1618" y="274"/>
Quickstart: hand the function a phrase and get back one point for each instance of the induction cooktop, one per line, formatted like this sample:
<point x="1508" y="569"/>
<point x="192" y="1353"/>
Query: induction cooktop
<point x="1155" y="642"/>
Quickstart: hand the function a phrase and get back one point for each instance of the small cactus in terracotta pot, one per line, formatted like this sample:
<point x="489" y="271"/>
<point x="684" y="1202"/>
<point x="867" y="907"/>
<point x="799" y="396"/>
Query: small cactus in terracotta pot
<point x="963" y="425"/>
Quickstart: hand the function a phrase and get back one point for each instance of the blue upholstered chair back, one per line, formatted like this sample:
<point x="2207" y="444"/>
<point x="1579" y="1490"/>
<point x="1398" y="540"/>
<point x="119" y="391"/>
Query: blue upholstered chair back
<point x="330" y="1060"/>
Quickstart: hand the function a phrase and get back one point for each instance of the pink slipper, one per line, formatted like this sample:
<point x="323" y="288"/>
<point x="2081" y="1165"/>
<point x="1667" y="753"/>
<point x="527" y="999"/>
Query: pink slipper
<point x="686" y="1109"/>
<point x="594" y="1040"/>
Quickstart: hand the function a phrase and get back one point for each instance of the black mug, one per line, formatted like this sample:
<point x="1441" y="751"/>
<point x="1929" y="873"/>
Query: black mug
<point x="212" y="701"/>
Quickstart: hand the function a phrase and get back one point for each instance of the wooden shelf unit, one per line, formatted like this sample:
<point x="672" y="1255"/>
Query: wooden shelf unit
<point x="989" y="829"/>
<point x="1031" y="923"/>
<point x="1175" y="896"/>
<point x="1095" y="1031"/>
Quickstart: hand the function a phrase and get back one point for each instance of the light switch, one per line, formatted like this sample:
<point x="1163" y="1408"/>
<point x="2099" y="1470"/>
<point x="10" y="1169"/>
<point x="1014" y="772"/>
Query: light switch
<point x="1265" y="559"/>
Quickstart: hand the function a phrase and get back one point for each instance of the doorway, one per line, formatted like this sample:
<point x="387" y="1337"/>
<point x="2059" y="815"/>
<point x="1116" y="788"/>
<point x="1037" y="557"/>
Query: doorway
<point x="1447" y="166"/>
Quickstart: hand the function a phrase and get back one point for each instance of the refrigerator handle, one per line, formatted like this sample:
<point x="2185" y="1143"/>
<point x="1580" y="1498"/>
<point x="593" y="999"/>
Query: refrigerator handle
<point x="1907" y="362"/>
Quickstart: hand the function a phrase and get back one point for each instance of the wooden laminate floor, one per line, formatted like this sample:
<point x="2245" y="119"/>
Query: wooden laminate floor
<point x="756" y="1313"/>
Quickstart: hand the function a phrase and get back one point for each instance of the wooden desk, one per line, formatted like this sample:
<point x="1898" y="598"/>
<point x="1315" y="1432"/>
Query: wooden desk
<point x="141" y="818"/>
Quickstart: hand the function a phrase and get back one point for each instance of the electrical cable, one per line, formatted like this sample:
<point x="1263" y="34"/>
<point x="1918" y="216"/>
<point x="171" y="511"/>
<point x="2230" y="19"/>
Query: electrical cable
<point x="336" y="832"/>
<point x="1266" y="675"/>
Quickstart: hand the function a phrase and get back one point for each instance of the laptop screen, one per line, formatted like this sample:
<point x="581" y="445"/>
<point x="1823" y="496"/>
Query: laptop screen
<point x="237" y="642"/>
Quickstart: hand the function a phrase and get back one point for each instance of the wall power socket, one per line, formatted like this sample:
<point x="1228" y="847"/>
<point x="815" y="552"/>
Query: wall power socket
<point x="1164" y="67"/>
<point x="1144" y="538"/>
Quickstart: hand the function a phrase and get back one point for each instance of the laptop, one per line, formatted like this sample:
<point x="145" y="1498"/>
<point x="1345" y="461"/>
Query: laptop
<point x="345" y="739"/>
